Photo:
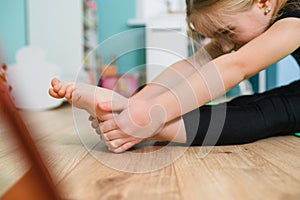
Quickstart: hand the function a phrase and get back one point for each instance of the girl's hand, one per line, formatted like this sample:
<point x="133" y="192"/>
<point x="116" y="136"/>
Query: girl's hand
<point x="95" y="124"/>
<point x="103" y="115"/>
<point x="118" y="141"/>
<point x="115" y="140"/>
<point x="140" y="119"/>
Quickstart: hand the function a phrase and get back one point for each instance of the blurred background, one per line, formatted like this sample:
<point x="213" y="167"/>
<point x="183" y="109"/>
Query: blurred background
<point x="99" y="41"/>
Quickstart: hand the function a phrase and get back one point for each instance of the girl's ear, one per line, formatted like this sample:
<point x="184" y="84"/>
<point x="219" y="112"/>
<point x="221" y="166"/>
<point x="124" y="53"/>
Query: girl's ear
<point x="263" y="3"/>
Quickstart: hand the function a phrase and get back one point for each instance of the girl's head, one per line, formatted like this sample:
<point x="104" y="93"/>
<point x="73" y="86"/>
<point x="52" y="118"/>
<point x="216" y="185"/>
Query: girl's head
<point x="231" y="22"/>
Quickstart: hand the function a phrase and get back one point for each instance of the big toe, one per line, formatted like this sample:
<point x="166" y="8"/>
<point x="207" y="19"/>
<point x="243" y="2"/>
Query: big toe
<point x="55" y="81"/>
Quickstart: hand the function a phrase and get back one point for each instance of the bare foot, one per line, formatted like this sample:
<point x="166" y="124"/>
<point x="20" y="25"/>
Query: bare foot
<point x="84" y="96"/>
<point x="89" y="97"/>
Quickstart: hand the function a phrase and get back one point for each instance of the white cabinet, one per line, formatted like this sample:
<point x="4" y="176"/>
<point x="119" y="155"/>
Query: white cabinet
<point x="166" y="43"/>
<point x="57" y="28"/>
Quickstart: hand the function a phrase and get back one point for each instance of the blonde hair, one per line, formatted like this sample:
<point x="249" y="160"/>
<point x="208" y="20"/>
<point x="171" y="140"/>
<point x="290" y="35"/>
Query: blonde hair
<point x="209" y="11"/>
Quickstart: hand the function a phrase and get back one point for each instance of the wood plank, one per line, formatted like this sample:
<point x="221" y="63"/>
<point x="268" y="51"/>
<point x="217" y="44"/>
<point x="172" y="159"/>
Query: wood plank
<point x="93" y="180"/>
<point x="12" y="163"/>
<point x="267" y="169"/>
<point x="282" y="152"/>
<point x="56" y="138"/>
<point x="232" y="172"/>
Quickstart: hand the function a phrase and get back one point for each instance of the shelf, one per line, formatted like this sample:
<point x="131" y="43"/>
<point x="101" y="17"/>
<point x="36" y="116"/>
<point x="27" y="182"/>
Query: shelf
<point x="136" y="22"/>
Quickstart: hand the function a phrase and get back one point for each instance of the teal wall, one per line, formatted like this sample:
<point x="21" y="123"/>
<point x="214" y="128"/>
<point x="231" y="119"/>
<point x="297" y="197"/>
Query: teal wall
<point x="13" y="33"/>
<point x="116" y="37"/>
<point x="112" y="17"/>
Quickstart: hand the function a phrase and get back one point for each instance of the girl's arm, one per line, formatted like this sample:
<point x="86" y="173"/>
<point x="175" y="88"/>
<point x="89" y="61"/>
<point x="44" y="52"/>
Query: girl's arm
<point x="179" y="71"/>
<point x="213" y="80"/>
<point x="225" y="72"/>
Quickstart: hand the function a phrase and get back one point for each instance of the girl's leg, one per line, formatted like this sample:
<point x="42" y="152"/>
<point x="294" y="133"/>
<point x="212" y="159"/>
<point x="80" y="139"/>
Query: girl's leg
<point x="246" y="99"/>
<point x="248" y="118"/>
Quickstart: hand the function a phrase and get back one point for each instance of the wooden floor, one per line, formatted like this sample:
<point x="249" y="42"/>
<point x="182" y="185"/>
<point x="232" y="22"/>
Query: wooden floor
<point x="82" y="169"/>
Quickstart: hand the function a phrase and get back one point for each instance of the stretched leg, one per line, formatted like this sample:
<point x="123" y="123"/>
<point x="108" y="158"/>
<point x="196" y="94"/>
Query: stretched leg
<point x="273" y="115"/>
<point x="87" y="97"/>
<point x="248" y="99"/>
<point x="249" y="118"/>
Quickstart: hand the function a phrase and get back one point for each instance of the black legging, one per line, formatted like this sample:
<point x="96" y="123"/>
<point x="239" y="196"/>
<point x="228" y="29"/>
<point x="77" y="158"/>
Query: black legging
<point x="248" y="118"/>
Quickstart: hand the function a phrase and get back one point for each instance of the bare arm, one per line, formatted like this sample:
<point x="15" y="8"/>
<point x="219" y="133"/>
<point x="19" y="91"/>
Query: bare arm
<point x="212" y="80"/>
<point x="179" y="71"/>
<point x="277" y="42"/>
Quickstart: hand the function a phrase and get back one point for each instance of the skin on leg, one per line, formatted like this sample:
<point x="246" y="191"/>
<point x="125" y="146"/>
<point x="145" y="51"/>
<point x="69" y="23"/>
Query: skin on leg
<point x="89" y="97"/>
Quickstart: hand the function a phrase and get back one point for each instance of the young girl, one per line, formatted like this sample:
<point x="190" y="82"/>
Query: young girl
<point x="247" y="36"/>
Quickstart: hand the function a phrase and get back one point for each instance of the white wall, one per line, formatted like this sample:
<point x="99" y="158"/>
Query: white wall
<point x="146" y="9"/>
<point x="56" y="27"/>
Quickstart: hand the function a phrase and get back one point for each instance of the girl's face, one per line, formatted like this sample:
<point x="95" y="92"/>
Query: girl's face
<point x="239" y="28"/>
